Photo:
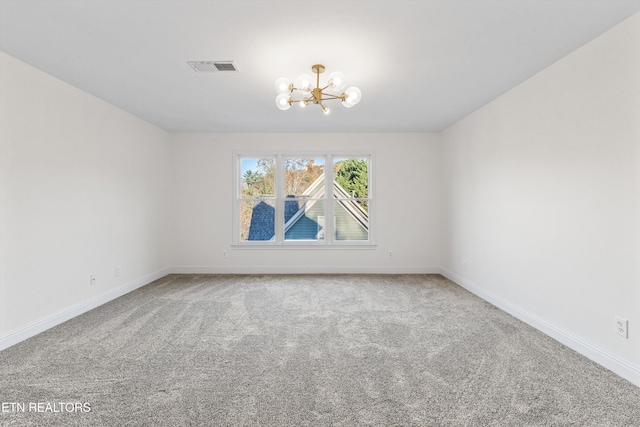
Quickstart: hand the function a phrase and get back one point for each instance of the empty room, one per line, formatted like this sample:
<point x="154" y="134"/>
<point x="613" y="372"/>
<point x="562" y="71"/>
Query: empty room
<point x="330" y="213"/>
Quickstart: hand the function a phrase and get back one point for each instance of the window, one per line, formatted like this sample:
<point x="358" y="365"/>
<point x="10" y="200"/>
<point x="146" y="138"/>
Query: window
<point x="285" y="199"/>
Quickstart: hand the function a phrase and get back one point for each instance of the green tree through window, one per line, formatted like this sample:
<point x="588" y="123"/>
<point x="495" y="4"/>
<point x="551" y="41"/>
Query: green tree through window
<point x="353" y="176"/>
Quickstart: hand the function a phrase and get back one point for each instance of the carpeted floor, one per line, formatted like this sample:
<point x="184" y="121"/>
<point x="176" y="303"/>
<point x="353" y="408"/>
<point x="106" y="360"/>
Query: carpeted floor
<point x="305" y="350"/>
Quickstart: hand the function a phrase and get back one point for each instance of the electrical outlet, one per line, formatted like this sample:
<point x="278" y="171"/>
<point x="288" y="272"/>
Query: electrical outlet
<point x="224" y="254"/>
<point x="621" y="326"/>
<point x="117" y="271"/>
<point x="92" y="279"/>
<point x="390" y="254"/>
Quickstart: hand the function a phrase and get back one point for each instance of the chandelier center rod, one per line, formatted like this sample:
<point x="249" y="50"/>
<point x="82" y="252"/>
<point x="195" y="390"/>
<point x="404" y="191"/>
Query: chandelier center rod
<point x="317" y="92"/>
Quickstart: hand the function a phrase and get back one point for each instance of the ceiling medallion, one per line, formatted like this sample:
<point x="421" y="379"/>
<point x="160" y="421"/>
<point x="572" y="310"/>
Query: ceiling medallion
<point x="318" y="95"/>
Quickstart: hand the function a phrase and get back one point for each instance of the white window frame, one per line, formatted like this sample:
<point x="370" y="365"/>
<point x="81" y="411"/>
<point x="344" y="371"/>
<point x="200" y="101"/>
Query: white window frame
<point x="329" y="241"/>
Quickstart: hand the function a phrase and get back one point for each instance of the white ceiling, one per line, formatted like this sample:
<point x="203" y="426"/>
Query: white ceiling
<point x="421" y="65"/>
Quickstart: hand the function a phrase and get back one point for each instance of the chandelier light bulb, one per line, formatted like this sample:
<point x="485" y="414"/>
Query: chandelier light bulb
<point x="283" y="101"/>
<point x="337" y="81"/>
<point x="324" y="108"/>
<point x="283" y="85"/>
<point x="304" y="83"/>
<point x="353" y="96"/>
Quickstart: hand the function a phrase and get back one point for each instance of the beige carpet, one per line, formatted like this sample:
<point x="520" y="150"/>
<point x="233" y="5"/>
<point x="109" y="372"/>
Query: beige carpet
<point x="305" y="350"/>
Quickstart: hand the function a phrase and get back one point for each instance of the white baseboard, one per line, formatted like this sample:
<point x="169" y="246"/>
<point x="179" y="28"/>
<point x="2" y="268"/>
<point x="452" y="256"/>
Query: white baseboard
<point x="34" y="328"/>
<point x="305" y="270"/>
<point x="626" y="370"/>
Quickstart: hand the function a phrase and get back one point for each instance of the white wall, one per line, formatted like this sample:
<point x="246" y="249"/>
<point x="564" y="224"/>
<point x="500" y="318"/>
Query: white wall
<point x="407" y="188"/>
<point x="541" y="198"/>
<point x="83" y="189"/>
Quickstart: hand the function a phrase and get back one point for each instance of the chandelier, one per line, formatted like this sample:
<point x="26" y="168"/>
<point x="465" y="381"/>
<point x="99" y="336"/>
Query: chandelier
<point x="318" y="95"/>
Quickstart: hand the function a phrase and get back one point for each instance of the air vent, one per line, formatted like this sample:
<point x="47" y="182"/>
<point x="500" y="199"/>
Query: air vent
<point x="213" y="66"/>
<point x="226" y="66"/>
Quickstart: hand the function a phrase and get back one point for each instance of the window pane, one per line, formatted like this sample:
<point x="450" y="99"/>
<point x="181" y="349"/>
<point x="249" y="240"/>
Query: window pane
<point x="257" y="177"/>
<point x="257" y="220"/>
<point x="304" y="219"/>
<point x="352" y="177"/>
<point x="351" y="220"/>
<point x="300" y="175"/>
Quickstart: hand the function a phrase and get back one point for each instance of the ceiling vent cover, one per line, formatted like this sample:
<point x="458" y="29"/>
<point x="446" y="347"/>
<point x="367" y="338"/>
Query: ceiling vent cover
<point x="213" y="66"/>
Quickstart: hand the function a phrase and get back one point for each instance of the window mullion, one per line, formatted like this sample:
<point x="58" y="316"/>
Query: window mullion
<point x="329" y="222"/>
<point x="279" y="213"/>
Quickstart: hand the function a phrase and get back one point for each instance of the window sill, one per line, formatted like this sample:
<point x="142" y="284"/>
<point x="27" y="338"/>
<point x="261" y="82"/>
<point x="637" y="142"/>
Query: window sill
<point x="298" y="246"/>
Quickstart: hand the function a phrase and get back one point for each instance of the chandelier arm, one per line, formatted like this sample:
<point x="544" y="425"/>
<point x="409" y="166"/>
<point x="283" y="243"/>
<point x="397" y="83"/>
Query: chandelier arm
<point x="330" y="96"/>
<point x="325" y="97"/>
